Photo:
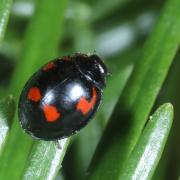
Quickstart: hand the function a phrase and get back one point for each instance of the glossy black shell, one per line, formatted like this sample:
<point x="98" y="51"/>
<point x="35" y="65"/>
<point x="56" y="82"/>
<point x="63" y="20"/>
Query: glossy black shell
<point x="58" y="87"/>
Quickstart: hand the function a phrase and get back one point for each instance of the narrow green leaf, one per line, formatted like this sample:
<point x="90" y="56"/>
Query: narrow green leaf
<point x="41" y="42"/>
<point x="146" y="154"/>
<point x="7" y="110"/>
<point x="108" y="8"/>
<point x="171" y="89"/>
<point x="5" y="8"/>
<point x="45" y="160"/>
<point x="131" y="112"/>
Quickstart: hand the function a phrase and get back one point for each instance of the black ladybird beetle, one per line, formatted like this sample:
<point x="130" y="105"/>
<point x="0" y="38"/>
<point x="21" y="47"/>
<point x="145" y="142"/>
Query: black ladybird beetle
<point x="62" y="96"/>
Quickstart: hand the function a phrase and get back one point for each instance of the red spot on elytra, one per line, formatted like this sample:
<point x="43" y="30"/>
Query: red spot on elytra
<point x="34" y="94"/>
<point x="84" y="105"/>
<point x="51" y="113"/>
<point x="48" y="66"/>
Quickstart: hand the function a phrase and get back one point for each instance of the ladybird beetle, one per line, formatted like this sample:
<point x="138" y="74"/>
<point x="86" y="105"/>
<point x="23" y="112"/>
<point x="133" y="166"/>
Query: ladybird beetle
<point x="62" y="96"/>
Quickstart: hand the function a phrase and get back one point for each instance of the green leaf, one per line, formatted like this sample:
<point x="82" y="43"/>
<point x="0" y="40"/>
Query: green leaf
<point x="41" y="43"/>
<point x="5" y="8"/>
<point x="45" y="160"/>
<point x="146" y="154"/>
<point x="170" y="91"/>
<point x="132" y="110"/>
<point x="108" y="8"/>
<point x="7" y="110"/>
<point x="7" y="106"/>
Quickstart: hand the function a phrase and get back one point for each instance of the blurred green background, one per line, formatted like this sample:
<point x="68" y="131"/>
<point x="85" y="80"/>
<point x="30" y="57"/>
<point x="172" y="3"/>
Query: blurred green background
<point x="117" y="31"/>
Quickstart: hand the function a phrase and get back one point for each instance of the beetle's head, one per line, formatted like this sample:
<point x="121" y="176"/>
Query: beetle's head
<point x="93" y="68"/>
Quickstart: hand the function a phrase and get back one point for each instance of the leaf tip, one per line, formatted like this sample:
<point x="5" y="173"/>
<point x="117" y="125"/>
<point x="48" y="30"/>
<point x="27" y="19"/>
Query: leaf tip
<point x="168" y="107"/>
